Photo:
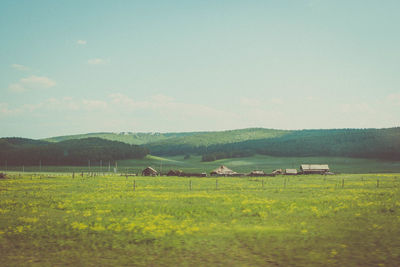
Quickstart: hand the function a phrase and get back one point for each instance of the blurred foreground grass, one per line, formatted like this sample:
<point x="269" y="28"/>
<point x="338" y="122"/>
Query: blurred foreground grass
<point x="52" y="219"/>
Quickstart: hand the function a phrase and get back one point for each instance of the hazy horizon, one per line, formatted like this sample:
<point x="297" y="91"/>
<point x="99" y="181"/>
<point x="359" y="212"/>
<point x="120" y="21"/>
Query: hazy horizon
<point x="200" y="131"/>
<point x="83" y="67"/>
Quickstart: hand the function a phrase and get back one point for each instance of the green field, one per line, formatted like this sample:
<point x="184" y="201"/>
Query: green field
<point x="341" y="220"/>
<point x="259" y="162"/>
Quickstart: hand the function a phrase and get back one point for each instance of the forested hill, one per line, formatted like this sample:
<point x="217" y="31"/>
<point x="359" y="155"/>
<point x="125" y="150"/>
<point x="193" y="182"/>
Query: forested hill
<point x="363" y="143"/>
<point x="195" y="139"/>
<point x="125" y="137"/>
<point x="21" y="151"/>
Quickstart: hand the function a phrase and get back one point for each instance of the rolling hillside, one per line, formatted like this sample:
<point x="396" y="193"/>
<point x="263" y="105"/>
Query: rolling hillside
<point x="358" y="143"/>
<point x="125" y="137"/>
<point x="195" y="139"/>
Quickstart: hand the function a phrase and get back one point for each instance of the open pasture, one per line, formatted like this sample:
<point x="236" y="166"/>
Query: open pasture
<point x="53" y="219"/>
<point x="245" y="164"/>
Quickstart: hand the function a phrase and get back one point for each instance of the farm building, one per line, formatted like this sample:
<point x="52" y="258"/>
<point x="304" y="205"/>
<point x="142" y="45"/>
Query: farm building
<point x="203" y="174"/>
<point x="185" y="174"/>
<point x="290" y="172"/>
<point x="223" y="171"/>
<point x="149" y="171"/>
<point x="256" y="173"/>
<point x="314" y="168"/>
<point x="277" y="171"/>
<point x="175" y="173"/>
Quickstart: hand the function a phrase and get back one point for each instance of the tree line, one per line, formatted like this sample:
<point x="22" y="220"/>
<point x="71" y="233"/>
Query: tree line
<point x="359" y="143"/>
<point x="21" y="151"/>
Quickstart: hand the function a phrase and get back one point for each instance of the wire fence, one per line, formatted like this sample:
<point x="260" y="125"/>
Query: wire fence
<point x="279" y="182"/>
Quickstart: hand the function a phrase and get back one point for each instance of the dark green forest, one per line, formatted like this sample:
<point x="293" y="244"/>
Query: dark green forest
<point x="359" y="143"/>
<point x="22" y="151"/>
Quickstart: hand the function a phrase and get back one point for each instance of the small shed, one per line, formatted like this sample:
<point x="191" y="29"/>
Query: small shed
<point x="290" y="172"/>
<point x="314" y="168"/>
<point x="223" y="171"/>
<point x="149" y="171"/>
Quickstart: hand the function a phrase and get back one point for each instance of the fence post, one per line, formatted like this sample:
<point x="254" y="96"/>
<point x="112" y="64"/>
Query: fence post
<point x="190" y="185"/>
<point x="134" y="185"/>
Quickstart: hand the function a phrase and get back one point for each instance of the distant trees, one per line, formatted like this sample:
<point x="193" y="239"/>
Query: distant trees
<point x="361" y="143"/>
<point x="19" y="151"/>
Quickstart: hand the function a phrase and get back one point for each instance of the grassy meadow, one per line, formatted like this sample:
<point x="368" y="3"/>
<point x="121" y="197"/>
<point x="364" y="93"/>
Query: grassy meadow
<point x="342" y="220"/>
<point x="245" y="164"/>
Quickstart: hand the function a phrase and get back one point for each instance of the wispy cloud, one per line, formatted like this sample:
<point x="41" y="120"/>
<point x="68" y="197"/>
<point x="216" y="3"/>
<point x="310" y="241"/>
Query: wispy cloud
<point x="81" y="42"/>
<point x="96" y="61"/>
<point x="94" y="104"/>
<point x="394" y="98"/>
<point x="357" y="108"/>
<point x="20" y="67"/>
<point x="250" y="102"/>
<point x="32" y="83"/>
<point x="5" y="110"/>
<point x="170" y="108"/>
<point x="277" y="101"/>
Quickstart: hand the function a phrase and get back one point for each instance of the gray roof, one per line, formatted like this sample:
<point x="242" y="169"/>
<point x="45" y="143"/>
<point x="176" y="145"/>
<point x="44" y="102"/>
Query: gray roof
<point x="291" y="171"/>
<point x="310" y="167"/>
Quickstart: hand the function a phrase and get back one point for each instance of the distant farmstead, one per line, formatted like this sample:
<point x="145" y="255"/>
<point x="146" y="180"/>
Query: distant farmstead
<point x="149" y="171"/>
<point x="314" y="168"/>
<point x="256" y="173"/>
<point x="277" y="171"/>
<point x="175" y="173"/>
<point x="291" y="172"/>
<point x="223" y="171"/>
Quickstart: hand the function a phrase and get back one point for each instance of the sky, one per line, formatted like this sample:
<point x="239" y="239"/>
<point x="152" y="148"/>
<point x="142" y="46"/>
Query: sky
<point x="70" y="67"/>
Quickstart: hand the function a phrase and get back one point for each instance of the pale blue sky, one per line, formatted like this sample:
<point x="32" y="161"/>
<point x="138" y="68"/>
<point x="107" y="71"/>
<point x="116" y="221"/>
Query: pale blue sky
<point x="86" y="66"/>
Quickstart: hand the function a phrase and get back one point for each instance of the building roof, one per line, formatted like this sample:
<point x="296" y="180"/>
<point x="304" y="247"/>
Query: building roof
<point x="150" y="169"/>
<point x="291" y="171"/>
<point x="223" y="170"/>
<point x="175" y="172"/>
<point x="277" y="171"/>
<point x="310" y="167"/>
